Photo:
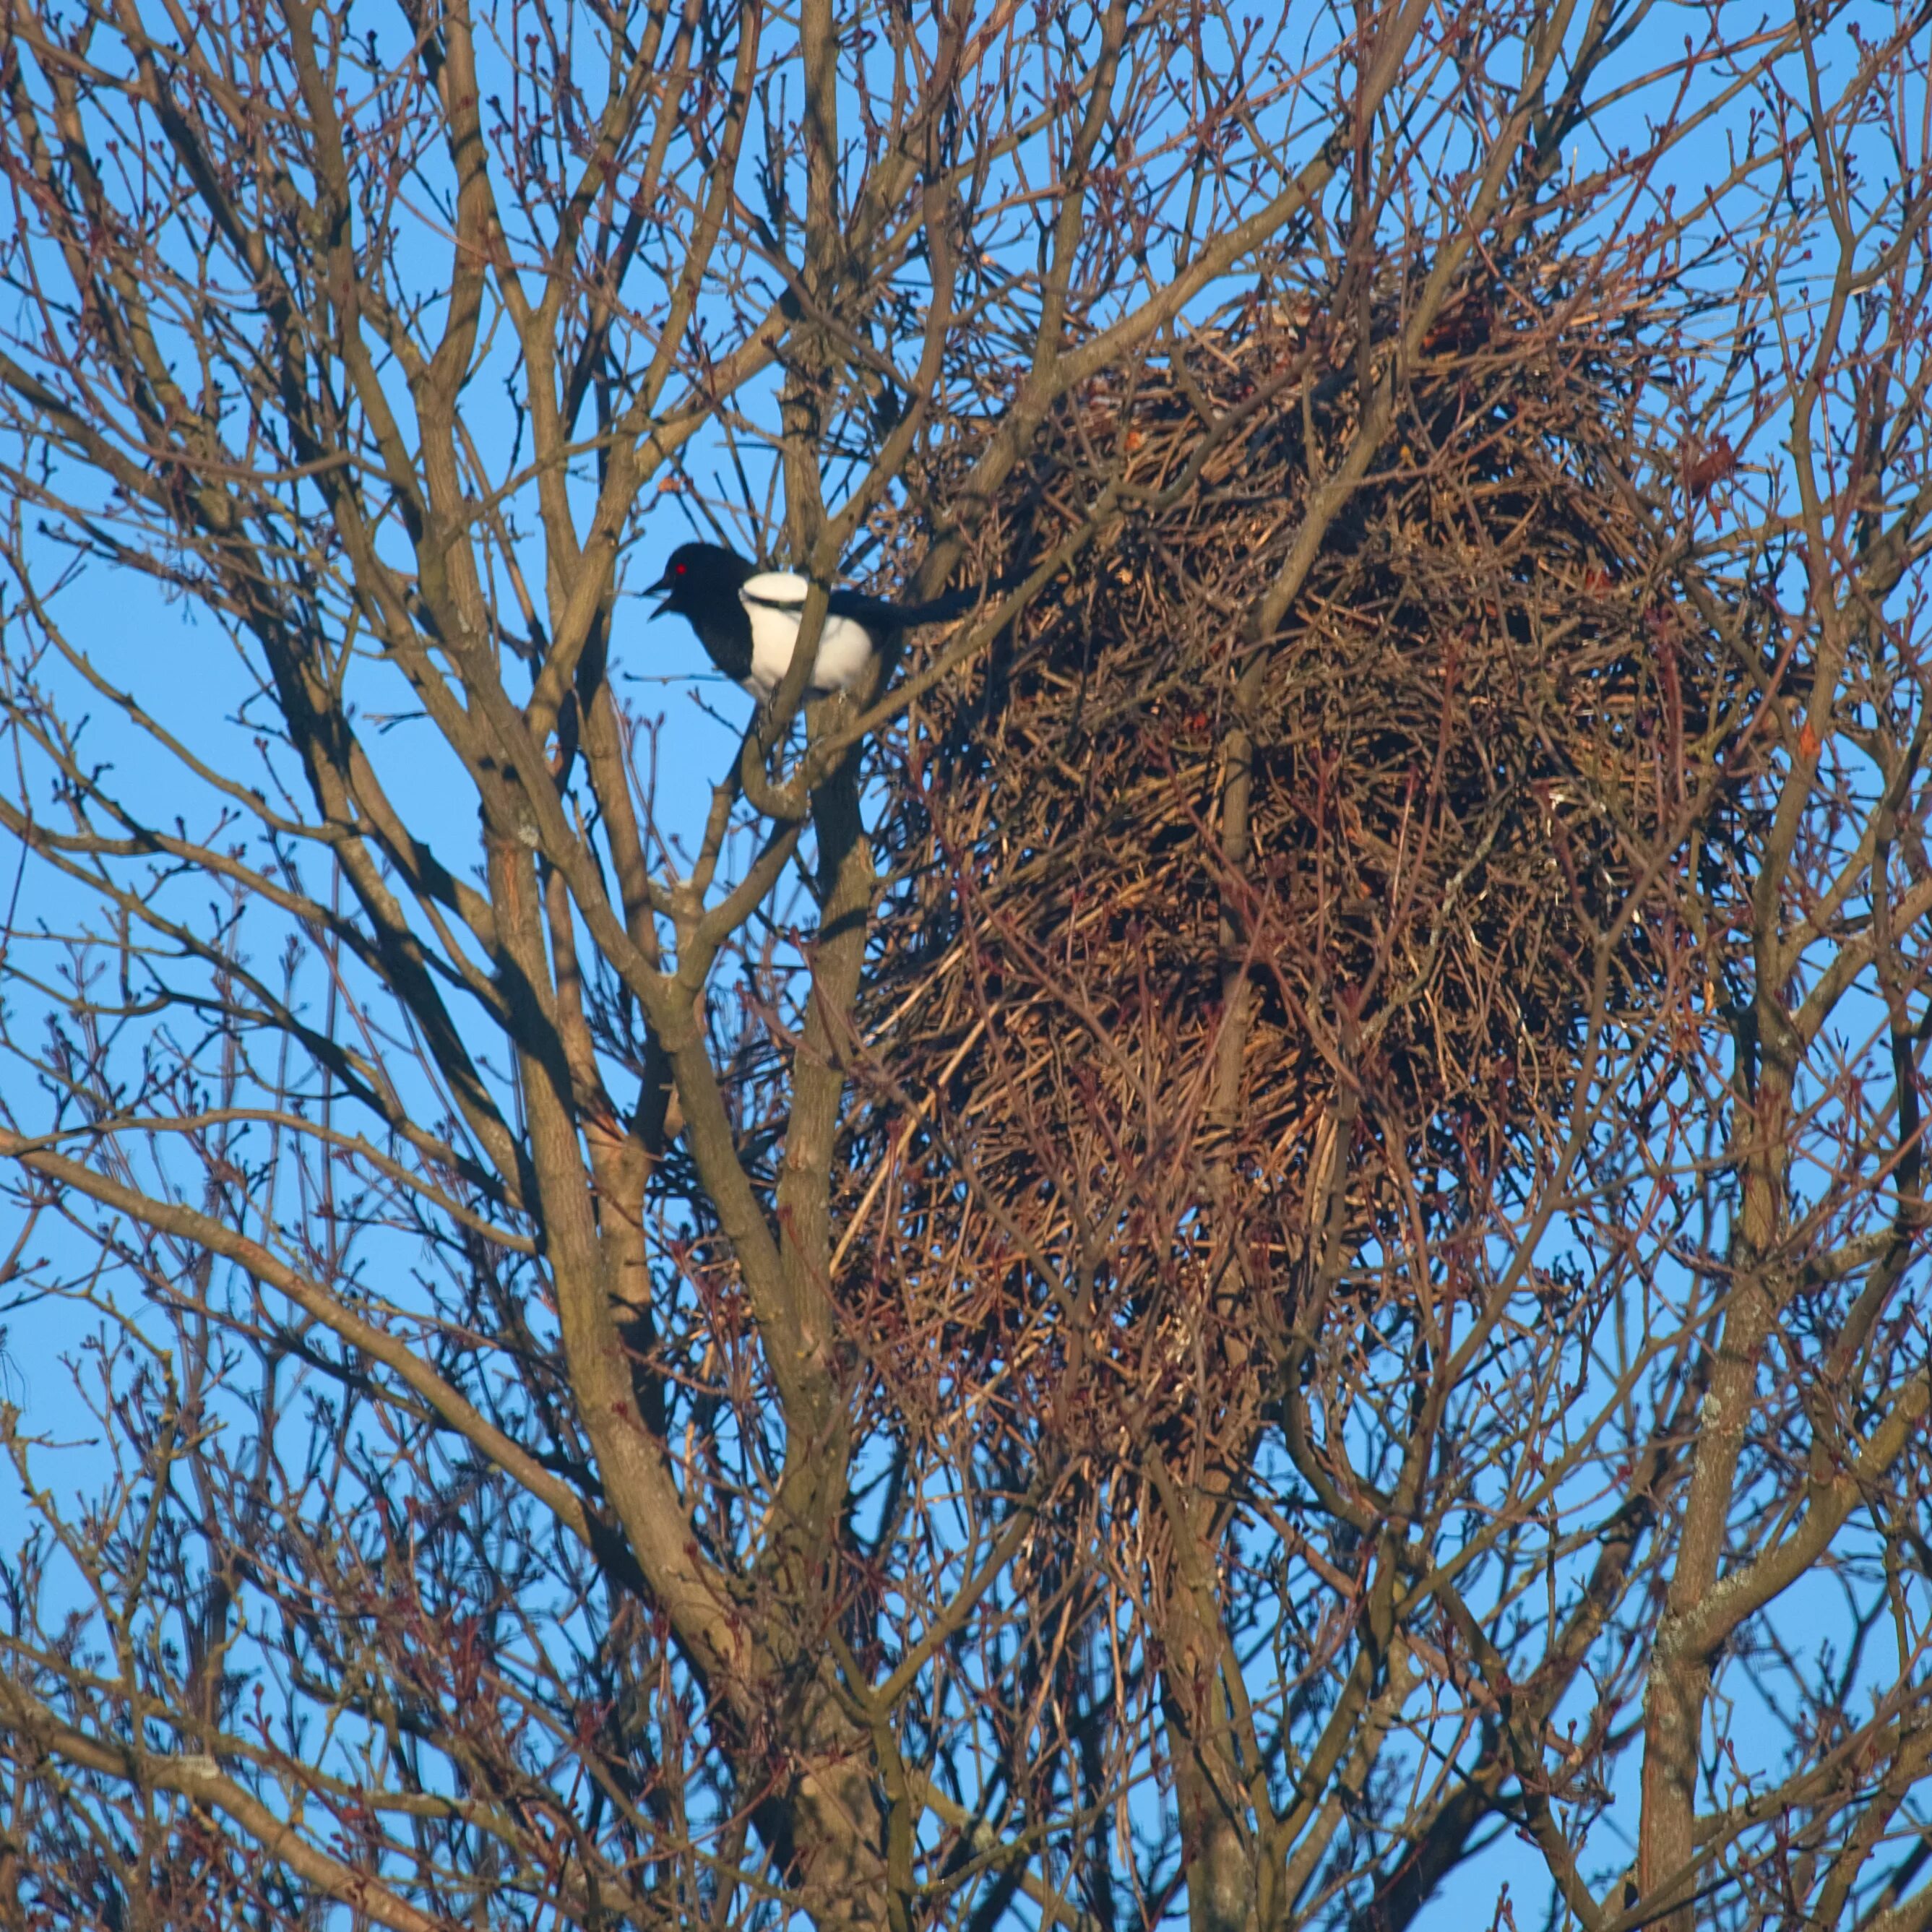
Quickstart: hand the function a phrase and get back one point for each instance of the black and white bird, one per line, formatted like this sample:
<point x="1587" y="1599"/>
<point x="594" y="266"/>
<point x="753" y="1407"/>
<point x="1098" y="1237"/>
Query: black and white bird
<point x="747" y="619"/>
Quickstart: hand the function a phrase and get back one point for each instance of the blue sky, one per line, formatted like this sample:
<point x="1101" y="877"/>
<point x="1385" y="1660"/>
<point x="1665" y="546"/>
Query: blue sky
<point x="195" y="687"/>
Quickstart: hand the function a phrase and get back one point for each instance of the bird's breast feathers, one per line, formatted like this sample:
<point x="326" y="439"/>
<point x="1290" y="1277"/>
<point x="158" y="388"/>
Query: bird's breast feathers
<point x="774" y="600"/>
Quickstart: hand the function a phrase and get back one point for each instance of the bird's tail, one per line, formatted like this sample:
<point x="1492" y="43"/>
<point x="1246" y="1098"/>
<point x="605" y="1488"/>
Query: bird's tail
<point x="875" y="613"/>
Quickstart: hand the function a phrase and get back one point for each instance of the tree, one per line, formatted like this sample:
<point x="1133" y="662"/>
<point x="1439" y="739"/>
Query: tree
<point x="1263" y="1218"/>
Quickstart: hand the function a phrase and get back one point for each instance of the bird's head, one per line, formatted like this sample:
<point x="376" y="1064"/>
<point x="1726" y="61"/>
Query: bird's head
<point x="697" y="574"/>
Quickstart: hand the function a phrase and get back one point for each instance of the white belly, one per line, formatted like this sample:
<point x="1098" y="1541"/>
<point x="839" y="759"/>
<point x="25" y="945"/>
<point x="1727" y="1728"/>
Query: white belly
<point x="844" y="645"/>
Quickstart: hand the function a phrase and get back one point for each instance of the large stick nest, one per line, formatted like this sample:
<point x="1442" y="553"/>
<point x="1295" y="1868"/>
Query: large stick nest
<point x="1489" y="748"/>
<point x="1476" y="737"/>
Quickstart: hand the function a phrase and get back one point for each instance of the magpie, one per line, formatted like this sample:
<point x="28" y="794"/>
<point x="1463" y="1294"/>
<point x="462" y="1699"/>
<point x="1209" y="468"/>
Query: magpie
<point x="747" y="619"/>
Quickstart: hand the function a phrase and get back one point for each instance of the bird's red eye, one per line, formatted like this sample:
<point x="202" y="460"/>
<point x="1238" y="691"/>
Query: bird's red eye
<point x="679" y="571"/>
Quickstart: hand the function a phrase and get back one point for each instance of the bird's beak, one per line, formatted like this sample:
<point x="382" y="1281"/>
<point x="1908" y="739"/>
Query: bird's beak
<point x="662" y="589"/>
